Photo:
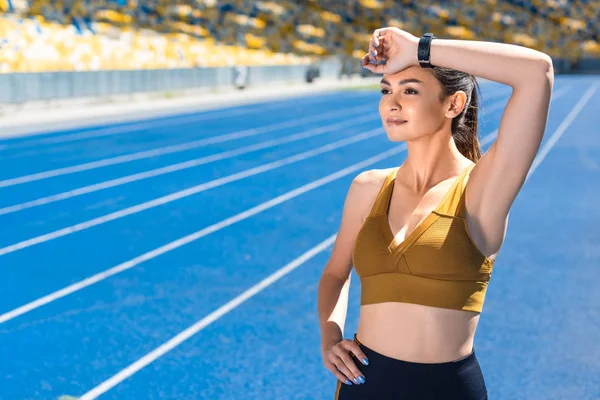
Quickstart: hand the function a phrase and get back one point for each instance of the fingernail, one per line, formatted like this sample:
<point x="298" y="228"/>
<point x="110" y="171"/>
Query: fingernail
<point x="365" y="361"/>
<point x="373" y="53"/>
<point x="348" y="382"/>
<point x="362" y="379"/>
<point x="356" y="380"/>
<point x="372" y="60"/>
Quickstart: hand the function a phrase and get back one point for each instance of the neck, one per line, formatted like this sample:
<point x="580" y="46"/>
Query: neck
<point x="431" y="159"/>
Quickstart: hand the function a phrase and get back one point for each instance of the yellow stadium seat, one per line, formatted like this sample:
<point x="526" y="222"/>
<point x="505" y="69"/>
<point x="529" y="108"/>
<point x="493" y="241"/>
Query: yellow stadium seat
<point x="113" y="16"/>
<point x="524" y="39"/>
<point x="591" y="47"/>
<point x="177" y="38"/>
<point x="329" y="16"/>
<point x="311" y="30"/>
<point x="460" y="32"/>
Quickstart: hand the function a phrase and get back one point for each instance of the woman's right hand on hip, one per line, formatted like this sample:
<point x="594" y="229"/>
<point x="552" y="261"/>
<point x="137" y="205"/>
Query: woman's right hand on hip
<point x="338" y="360"/>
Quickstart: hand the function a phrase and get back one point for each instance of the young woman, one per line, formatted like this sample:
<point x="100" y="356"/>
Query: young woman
<point x="423" y="236"/>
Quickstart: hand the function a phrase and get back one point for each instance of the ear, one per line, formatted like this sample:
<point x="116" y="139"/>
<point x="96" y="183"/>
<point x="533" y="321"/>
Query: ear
<point x="456" y="103"/>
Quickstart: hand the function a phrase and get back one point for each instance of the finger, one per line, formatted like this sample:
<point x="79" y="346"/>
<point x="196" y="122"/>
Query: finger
<point x="376" y="69"/>
<point x="377" y="35"/>
<point x="376" y="47"/>
<point x="343" y="368"/>
<point x="365" y="60"/>
<point x="374" y="44"/>
<point x="355" y="372"/>
<point x="372" y="53"/>
<point x="343" y="378"/>
<point x="358" y="353"/>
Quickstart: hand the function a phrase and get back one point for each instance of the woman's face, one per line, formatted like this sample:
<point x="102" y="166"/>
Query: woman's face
<point x="411" y="95"/>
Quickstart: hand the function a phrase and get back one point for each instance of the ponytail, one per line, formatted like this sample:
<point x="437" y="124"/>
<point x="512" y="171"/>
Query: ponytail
<point x="464" y="126"/>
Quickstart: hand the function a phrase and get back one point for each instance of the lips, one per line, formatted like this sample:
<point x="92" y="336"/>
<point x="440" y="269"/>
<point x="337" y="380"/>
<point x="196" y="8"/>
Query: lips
<point x="394" y="121"/>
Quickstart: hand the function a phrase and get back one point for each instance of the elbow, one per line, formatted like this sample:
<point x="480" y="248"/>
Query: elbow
<point x="547" y="69"/>
<point x="544" y="71"/>
<point x="539" y="74"/>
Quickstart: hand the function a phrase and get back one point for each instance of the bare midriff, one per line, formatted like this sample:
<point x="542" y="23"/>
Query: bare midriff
<point x="417" y="333"/>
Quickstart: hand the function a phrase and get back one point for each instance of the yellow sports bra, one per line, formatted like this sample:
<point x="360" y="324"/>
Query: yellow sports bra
<point x="436" y="265"/>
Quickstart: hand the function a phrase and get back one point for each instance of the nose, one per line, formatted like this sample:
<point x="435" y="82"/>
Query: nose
<point x="393" y="105"/>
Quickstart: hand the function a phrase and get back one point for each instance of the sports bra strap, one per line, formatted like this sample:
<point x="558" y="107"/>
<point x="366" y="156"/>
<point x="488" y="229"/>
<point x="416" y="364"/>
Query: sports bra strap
<point x="383" y="197"/>
<point x="453" y="204"/>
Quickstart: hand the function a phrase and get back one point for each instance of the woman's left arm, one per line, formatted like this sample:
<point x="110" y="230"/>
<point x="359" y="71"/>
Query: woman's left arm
<point x="497" y="178"/>
<point x="499" y="175"/>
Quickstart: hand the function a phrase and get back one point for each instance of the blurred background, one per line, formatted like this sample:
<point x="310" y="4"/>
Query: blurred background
<point x="183" y="44"/>
<point x="172" y="178"/>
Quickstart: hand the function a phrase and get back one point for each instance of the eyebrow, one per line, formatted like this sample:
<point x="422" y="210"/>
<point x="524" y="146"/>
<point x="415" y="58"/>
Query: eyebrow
<point x="402" y="82"/>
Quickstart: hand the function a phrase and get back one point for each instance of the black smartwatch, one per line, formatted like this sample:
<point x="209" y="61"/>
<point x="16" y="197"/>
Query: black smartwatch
<point x="424" y="53"/>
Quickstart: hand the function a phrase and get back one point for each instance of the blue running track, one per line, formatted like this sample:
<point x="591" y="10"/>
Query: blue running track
<point x="179" y="258"/>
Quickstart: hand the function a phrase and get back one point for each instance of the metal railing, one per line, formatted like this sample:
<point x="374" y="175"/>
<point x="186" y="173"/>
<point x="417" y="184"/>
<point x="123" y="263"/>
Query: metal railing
<point x="16" y="88"/>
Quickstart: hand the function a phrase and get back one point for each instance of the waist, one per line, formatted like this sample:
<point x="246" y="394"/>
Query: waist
<point x="417" y="333"/>
<point x="383" y="360"/>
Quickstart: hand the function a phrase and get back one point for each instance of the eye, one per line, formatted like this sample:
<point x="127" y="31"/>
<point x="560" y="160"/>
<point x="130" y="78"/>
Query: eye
<point x="407" y="91"/>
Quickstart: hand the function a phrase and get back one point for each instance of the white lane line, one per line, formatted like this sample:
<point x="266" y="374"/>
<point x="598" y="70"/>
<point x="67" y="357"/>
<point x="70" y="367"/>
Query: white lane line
<point x="198" y="234"/>
<point x="109" y="217"/>
<point x="188" y="146"/>
<point x="170" y="246"/>
<point x="187" y="192"/>
<point x="201" y="324"/>
<point x="194" y="236"/>
<point x="494" y="107"/>
<point x="204" y="322"/>
<point x="178" y="147"/>
<point x="562" y="128"/>
<point x="501" y="104"/>
<point x="168" y="121"/>
<point x="184" y="165"/>
<point x="559" y="93"/>
<point x="501" y="91"/>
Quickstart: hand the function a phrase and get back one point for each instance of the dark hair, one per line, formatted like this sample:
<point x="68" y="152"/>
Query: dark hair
<point x="464" y="125"/>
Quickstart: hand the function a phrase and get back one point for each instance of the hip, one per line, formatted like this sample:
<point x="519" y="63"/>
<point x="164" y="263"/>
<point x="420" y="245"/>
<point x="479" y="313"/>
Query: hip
<point x="390" y="378"/>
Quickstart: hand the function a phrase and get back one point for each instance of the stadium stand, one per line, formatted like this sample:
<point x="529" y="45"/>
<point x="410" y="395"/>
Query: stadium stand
<point x="79" y="35"/>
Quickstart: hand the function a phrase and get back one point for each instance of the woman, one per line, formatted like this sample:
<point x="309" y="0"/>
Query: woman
<point x="423" y="236"/>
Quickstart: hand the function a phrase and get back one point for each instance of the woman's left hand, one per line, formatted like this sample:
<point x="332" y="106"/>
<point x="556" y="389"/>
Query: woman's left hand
<point x="396" y="47"/>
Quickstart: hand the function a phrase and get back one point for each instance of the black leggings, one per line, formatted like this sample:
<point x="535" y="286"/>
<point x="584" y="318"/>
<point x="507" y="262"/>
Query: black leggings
<point x="390" y="379"/>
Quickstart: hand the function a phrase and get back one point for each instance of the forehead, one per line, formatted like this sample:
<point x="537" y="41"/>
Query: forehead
<point x="414" y="72"/>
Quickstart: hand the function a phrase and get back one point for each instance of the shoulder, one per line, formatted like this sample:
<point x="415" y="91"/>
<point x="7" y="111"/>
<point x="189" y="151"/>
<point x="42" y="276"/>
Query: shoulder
<point x="372" y="177"/>
<point x="364" y="190"/>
